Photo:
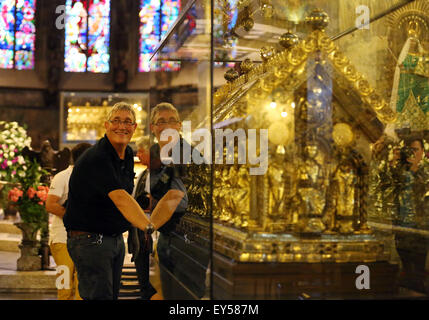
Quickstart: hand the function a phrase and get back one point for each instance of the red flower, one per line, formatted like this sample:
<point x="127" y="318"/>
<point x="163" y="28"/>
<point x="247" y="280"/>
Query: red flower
<point x="42" y="194"/>
<point x="43" y="188"/>
<point x="15" y="194"/>
<point x="31" y="192"/>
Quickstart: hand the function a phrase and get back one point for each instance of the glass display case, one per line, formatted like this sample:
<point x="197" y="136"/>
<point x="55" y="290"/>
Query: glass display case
<point x="82" y="115"/>
<point x="310" y="177"/>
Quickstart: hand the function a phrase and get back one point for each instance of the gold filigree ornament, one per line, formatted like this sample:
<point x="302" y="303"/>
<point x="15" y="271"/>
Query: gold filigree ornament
<point x="387" y="115"/>
<point x="282" y="71"/>
<point x="296" y="56"/>
<point x="364" y="87"/>
<point x="310" y="44"/>
<point x="343" y="135"/>
<point x="375" y="101"/>
<point x="339" y="59"/>
<point x="351" y="73"/>
<point x="326" y="44"/>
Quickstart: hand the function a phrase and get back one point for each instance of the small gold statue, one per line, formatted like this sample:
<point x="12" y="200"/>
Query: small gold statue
<point x="241" y="198"/>
<point x="279" y="177"/>
<point x="310" y="191"/>
<point x="345" y="194"/>
<point x="225" y="194"/>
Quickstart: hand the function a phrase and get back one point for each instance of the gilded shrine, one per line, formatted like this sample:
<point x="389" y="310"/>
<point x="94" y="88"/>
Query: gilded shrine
<point x="311" y="206"/>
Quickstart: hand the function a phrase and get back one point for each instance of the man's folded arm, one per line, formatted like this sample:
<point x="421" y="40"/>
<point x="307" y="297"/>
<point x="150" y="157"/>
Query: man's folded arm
<point x="165" y="207"/>
<point x="129" y="208"/>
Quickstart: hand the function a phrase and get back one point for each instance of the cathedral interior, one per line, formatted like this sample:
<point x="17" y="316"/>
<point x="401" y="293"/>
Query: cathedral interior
<point x="332" y="95"/>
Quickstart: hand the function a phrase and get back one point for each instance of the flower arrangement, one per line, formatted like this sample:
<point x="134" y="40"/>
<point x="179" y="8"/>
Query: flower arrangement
<point x="13" y="139"/>
<point x="30" y="196"/>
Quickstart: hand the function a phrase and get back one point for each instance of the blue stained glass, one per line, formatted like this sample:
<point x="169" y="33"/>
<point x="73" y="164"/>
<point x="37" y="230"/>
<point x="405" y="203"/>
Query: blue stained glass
<point x="87" y="36"/>
<point x="149" y="44"/>
<point x="7" y="19"/>
<point x="156" y="16"/>
<point x="6" y="40"/>
<point x="170" y="12"/>
<point x="99" y="8"/>
<point x="234" y="13"/>
<point x="17" y="34"/>
<point x="24" y="60"/>
<point x="27" y="27"/>
<point x="6" y="59"/>
<point x="24" y="41"/>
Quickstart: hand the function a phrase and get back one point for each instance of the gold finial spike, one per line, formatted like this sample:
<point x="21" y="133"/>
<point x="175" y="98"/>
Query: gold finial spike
<point x="231" y="75"/>
<point x="246" y="65"/>
<point x="318" y="19"/>
<point x="288" y="40"/>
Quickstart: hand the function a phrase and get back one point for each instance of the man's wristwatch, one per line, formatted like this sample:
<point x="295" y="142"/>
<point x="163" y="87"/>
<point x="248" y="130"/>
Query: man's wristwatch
<point x="149" y="228"/>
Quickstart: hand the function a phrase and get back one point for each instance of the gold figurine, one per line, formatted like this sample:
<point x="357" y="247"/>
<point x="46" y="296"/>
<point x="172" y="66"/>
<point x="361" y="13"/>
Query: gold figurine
<point x="345" y="186"/>
<point x="310" y="191"/>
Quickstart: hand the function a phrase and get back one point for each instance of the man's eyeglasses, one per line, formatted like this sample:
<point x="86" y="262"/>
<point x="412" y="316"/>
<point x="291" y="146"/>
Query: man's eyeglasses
<point x="117" y="122"/>
<point x="163" y="123"/>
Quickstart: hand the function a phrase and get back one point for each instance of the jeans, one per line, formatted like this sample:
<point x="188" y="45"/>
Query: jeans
<point x="98" y="260"/>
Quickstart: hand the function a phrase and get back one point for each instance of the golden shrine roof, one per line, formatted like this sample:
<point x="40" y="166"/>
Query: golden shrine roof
<point x="288" y="69"/>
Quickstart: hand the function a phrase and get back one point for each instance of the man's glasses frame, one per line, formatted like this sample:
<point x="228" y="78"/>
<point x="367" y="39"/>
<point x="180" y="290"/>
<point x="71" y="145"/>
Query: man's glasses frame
<point x="164" y="123"/>
<point x="126" y="123"/>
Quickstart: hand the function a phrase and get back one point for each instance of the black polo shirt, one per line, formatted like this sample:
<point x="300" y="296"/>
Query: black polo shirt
<point x="98" y="172"/>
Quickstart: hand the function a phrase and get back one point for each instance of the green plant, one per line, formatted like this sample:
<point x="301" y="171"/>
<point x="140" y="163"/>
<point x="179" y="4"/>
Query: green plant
<point x="30" y="195"/>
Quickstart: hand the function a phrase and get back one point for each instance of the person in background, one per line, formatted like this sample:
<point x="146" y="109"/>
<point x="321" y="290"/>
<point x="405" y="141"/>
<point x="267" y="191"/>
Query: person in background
<point x="140" y="244"/>
<point x="55" y="204"/>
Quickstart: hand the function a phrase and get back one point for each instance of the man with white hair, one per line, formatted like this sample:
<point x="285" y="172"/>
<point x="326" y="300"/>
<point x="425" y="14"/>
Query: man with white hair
<point x="100" y="207"/>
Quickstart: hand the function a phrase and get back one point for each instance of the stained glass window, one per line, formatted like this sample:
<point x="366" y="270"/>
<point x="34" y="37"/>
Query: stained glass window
<point x="87" y="36"/>
<point x="156" y="17"/>
<point x="17" y="34"/>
